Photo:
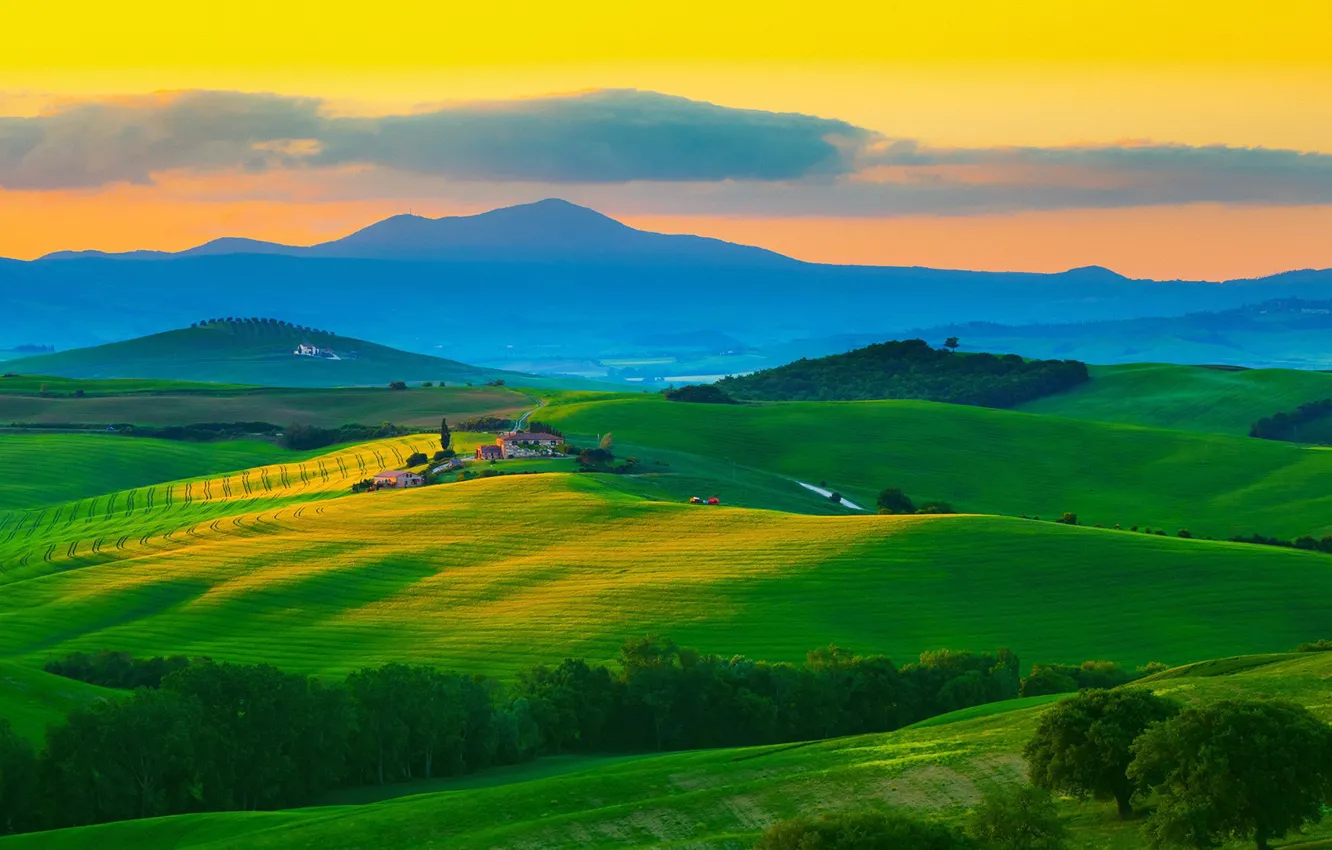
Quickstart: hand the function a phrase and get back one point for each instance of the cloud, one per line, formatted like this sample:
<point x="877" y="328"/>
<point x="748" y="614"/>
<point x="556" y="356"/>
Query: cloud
<point x="601" y="137"/>
<point x="628" y="150"/>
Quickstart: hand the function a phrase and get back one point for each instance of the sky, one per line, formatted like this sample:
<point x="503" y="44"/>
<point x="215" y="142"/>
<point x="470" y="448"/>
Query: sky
<point x="1169" y="140"/>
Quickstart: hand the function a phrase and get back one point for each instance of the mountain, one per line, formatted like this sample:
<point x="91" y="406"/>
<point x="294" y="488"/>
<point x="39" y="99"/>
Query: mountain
<point x="549" y="230"/>
<point x="259" y="353"/>
<point x="554" y="287"/>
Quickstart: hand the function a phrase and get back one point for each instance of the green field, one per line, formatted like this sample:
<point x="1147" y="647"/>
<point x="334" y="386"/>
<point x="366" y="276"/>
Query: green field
<point x="31" y="699"/>
<point x="707" y="799"/>
<point x="106" y="402"/>
<point x="986" y="461"/>
<point x="48" y="469"/>
<point x="496" y="574"/>
<point x="1192" y="398"/>
<point x="262" y="355"/>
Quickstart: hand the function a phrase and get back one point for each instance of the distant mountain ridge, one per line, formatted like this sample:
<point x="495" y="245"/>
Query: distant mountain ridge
<point x="549" y="230"/>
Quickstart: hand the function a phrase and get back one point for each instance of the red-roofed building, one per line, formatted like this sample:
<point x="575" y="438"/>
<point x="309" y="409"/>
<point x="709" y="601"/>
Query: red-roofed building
<point x="398" y="479"/>
<point x="489" y="453"/>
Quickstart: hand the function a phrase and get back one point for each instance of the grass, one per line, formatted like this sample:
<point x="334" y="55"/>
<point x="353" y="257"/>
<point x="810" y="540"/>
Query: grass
<point x="169" y="405"/>
<point x="31" y="700"/>
<point x="90" y="387"/>
<point x="707" y="799"/>
<point x="50" y="469"/>
<point x="493" y="575"/>
<point x="1192" y="398"/>
<point x="234" y="353"/>
<point x="986" y="461"/>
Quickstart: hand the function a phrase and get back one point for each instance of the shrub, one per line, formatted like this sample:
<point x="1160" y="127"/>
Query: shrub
<point x="1069" y="518"/>
<point x="417" y="458"/>
<point x="936" y="508"/>
<point x="861" y="830"/>
<point x="397" y="385"/>
<point x="427" y="384"/>
<point x="1018" y="817"/>
<point x="1185" y="533"/>
<point x="1315" y="646"/>
<point x="835" y="497"/>
<point x="893" y="501"/>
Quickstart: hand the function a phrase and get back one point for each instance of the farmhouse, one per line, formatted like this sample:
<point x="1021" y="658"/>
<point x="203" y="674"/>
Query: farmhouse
<point x="489" y="453"/>
<point x="398" y="479"/>
<point x="527" y="443"/>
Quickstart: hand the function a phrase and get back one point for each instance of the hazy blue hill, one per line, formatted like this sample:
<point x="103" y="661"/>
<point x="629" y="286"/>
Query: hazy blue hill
<point x="554" y="281"/>
<point x="258" y="354"/>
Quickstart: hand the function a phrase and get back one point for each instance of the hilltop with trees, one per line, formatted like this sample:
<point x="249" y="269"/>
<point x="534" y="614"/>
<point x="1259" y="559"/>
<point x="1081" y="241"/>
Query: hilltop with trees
<point x="911" y="369"/>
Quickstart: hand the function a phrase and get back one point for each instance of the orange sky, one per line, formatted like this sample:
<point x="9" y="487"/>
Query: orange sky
<point x="971" y="75"/>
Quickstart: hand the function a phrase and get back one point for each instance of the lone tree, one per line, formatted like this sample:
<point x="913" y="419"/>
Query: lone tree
<point x="1235" y="769"/>
<point x="1018" y="817"/>
<point x="445" y="435"/>
<point x="894" y="501"/>
<point x="951" y="343"/>
<point x="1083" y="745"/>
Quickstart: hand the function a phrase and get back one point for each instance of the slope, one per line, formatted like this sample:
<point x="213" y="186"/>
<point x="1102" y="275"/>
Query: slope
<point x="238" y="352"/>
<point x="707" y="799"/>
<point x="988" y="461"/>
<point x="1193" y="398"/>
<point x="496" y="574"/>
<point x="48" y="469"/>
<point x="90" y="402"/>
<point x="31" y="700"/>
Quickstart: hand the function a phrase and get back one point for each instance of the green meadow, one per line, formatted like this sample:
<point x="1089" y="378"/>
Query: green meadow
<point x="1191" y="398"/>
<point x="986" y="461"/>
<point x="246" y="552"/>
<point x="50" y="469"/>
<point x="493" y="575"/>
<point x="170" y="404"/>
<point x="707" y="799"/>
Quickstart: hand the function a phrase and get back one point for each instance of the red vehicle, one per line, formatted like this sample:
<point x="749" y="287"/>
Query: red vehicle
<point x="714" y="501"/>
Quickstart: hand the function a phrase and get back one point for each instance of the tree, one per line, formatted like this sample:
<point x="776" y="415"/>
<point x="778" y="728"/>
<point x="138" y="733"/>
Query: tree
<point x="1018" y="817"/>
<point x="397" y="385"/>
<point x="1069" y="518"/>
<point x="951" y="343"/>
<point x="894" y="501"/>
<point x="445" y="435"/>
<point x="18" y="774"/>
<point x="417" y="458"/>
<point x="861" y="830"/>
<point x="1083" y="745"/>
<point x="1235" y="769"/>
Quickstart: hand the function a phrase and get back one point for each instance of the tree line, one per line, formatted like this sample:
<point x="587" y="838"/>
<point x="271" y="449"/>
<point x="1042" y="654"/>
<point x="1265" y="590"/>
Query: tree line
<point x="910" y="369"/>
<point x="256" y="320"/>
<point x="1292" y="426"/>
<point x="212" y="736"/>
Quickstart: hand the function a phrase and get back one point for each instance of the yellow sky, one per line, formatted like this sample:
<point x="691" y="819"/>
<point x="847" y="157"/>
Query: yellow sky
<point x="952" y="74"/>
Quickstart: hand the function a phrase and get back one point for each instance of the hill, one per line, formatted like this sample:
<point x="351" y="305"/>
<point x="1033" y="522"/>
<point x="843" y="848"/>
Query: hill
<point x="278" y="565"/>
<point x="48" y="469"/>
<point x="1287" y="328"/>
<point x="910" y="369"/>
<point x="79" y="403"/>
<point x="707" y="799"/>
<point x="248" y="352"/>
<point x="31" y="700"/>
<point x="1192" y="398"/>
<point x="986" y="461"/>
<point x="555" y="283"/>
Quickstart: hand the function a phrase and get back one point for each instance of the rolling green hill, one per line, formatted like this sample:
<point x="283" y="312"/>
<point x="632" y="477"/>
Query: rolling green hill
<point x="496" y="574"/>
<point x="32" y="700"/>
<point x="48" y="469"/>
<point x="1192" y="398"/>
<point x="986" y="461"/>
<point x="262" y="354"/>
<point x="707" y="799"/>
<point x="167" y="403"/>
